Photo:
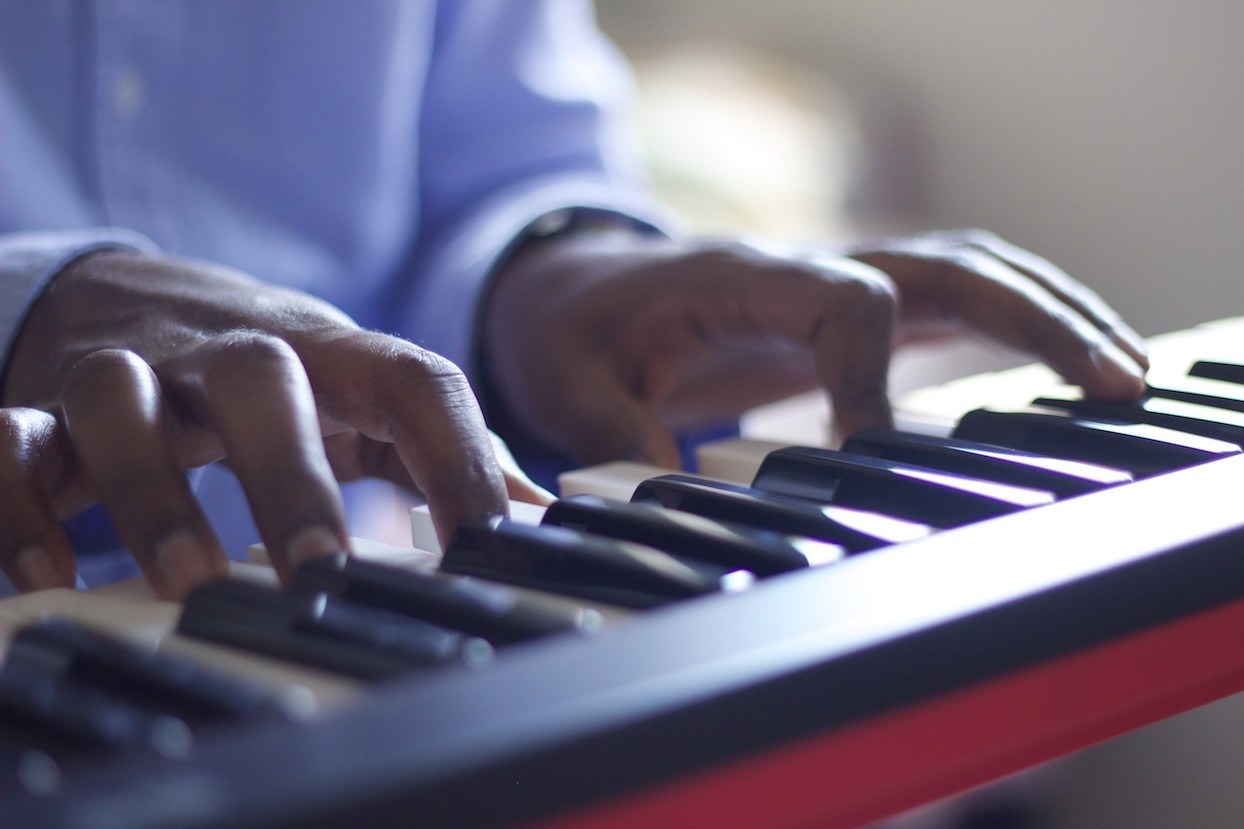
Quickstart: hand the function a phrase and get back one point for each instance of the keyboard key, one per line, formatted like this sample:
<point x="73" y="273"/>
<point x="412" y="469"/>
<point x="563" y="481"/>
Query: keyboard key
<point x="1204" y="392"/>
<point x="1193" y="418"/>
<point x="729" y="545"/>
<point x="157" y="682"/>
<point x="1140" y="448"/>
<point x="1063" y="478"/>
<point x="323" y="631"/>
<point x="854" y="530"/>
<point x="52" y="713"/>
<point x="916" y="493"/>
<point x="572" y="563"/>
<point x="491" y="611"/>
<point x="1227" y="372"/>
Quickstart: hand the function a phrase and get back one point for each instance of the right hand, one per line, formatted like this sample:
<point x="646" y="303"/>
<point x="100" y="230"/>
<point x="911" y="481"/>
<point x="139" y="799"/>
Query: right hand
<point x="603" y="345"/>
<point x="131" y="369"/>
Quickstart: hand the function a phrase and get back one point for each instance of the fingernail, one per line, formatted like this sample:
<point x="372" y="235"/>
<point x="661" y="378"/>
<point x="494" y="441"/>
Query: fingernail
<point x="183" y="563"/>
<point x="1133" y="342"/>
<point x="312" y="542"/>
<point x="1130" y="377"/>
<point x="38" y="569"/>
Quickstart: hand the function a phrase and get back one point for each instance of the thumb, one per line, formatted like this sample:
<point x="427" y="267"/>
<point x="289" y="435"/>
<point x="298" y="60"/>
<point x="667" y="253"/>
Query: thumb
<point x="604" y="422"/>
<point x="518" y="486"/>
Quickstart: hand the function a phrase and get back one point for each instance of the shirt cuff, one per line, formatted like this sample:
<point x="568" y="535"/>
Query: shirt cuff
<point x="28" y="261"/>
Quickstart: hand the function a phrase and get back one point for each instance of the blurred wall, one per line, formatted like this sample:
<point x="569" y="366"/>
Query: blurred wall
<point x="1101" y="133"/>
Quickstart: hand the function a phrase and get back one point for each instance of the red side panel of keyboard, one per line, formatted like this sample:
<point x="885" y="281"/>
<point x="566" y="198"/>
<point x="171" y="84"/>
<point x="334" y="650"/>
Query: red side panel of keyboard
<point x="865" y="772"/>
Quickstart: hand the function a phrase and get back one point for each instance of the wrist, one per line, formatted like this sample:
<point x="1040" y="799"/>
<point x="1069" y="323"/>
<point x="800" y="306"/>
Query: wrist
<point x="526" y="271"/>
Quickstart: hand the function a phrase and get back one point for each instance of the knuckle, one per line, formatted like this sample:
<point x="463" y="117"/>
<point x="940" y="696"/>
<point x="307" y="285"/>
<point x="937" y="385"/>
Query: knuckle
<point x="103" y="370"/>
<point x="13" y="431"/>
<point x="974" y="237"/>
<point x="402" y="368"/>
<point x="248" y="354"/>
<point x="967" y="266"/>
<point x="864" y="291"/>
<point x="979" y="237"/>
<point x="723" y="257"/>
<point x="21" y="432"/>
<point x="427" y="368"/>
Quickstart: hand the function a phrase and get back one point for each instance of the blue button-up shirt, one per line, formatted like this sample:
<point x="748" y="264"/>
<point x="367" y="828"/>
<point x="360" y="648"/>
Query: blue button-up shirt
<point x="380" y="154"/>
<point x="377" y="153"/>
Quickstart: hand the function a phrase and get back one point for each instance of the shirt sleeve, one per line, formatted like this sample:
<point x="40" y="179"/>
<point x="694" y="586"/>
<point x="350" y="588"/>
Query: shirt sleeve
<point x="526" y="112"/>
<point x="28" y="261"/>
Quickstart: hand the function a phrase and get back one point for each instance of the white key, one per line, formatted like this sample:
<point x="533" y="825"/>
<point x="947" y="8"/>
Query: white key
<point x="735" y="460"/>
<point x="423" y="531"/>
<point x="616" y="479"/>
<point x="130" y="610"/>
<point x="370" y="550"/>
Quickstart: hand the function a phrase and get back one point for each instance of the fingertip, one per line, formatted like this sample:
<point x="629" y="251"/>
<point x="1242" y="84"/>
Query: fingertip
<point x="183" y="562"/>
<point x="518" y="486"/>
<point x="858" y="415"/>
<point x="37" y="569"/>
<point x="1118" y="376"/>
<point x="658" y="448"/>
<point x="309" y="543"/>
<point x="521" y="488"/>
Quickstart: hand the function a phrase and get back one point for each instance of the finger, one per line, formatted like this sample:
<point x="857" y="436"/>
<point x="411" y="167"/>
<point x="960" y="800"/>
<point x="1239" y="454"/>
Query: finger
<point x="748" y="303"/>
<point x="392" y="391"/>
<point x="728" y="383"/>
<point x="34" y="552"/>
<point x="840" y="310"/>
<point x="589" y="407"/>
<point x="1053" y="279"/>
<point x="118" y="422"/>
<point x="851" y="343"/>
<point x="518" y="486"/>
<point x="1024" y="315"/>
<point x="596" y="419"/>
<point x="843" y="312"/>
<point x="351" y="456"/>
<point x="993" y="298"/>
<point x="968" y="288"/>
<point x="252" y="391"/>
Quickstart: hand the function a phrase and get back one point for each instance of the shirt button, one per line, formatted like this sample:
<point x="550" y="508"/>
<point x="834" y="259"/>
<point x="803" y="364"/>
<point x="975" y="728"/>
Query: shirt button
<point x="128" y="93"/>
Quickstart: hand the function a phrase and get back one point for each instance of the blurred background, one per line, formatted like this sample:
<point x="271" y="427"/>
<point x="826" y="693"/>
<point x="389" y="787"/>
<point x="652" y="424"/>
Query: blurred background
<point x="1101" y="133"/>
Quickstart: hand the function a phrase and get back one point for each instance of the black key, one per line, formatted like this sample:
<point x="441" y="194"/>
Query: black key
<point x="1063" y="478"/>
<point x="855" y="530"/>
<point x="576" y="564"/>
<point x="1227" y="372"/>
<point x="322" y="631"/>
<point x="491" y="611"/>
<point x="57" y="714"/>
<point x="1140" y="448"/>
<point x="763" y="552"/>
<point x="930" y="496"/>
<point x="157" y="682"/>
<point x="1224" y="395"/>
<point x="1193" y="418"/>
<point x="39" y="769"/>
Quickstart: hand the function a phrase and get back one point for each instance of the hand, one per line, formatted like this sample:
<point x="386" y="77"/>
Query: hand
<point x="131" y="369"/>
<point x="599" y="345"/>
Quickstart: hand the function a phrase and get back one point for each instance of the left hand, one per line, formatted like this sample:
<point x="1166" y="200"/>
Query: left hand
<point x="600" y="345"/>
